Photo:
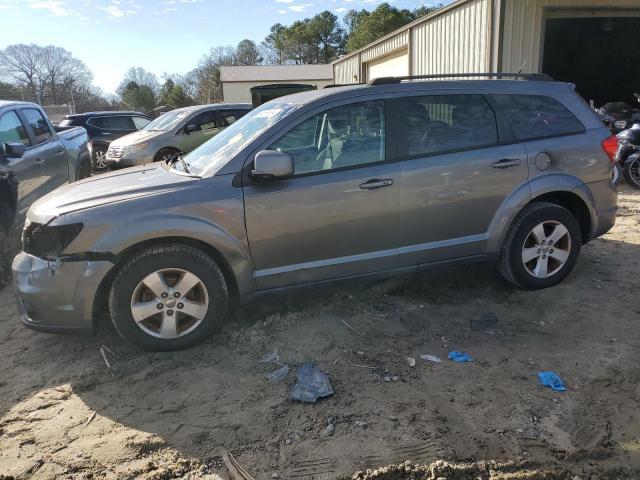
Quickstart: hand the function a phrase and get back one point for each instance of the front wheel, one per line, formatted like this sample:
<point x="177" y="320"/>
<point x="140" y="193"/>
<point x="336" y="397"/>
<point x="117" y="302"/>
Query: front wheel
<point x="166" y="155"/>
<point x="541" y="248"/>
<point x="632" y="171"/>
<point x="168" y="297"/>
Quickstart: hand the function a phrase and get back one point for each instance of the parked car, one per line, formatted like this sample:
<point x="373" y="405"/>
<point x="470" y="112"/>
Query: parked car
<point x="35" y="157"/>
<point x="322" y="185"/>
<point x="103" y="128"/>
<point x="176" y="132"/>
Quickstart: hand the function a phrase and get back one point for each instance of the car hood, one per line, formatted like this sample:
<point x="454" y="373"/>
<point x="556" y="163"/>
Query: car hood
<point x="107" y="188"/>
<point x="136" y="137"/>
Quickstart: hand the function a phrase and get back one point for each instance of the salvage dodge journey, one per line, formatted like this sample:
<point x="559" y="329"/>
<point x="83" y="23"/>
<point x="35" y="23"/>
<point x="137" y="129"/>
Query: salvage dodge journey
<point x="395" y="175"/>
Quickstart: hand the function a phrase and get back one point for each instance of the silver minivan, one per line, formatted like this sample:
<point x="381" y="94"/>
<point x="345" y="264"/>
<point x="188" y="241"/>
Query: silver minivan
<point x="329" y="184"/>
<point x="176" y="132"/>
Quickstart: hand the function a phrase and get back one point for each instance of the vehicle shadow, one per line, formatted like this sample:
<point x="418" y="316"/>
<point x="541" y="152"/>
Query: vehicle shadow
<point x="214" y="397"/>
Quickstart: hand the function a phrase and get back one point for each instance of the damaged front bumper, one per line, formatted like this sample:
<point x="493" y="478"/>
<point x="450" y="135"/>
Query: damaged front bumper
<point x="57" y="296"/>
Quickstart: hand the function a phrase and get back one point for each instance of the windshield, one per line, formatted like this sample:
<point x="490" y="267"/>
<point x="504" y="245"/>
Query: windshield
<point x="168" y="121"/>
<point x="217" y="152"/>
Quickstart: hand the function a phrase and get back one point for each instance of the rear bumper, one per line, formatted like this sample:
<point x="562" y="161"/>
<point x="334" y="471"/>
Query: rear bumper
<point x="57" y="297"/>
<point x="605" y="196"/>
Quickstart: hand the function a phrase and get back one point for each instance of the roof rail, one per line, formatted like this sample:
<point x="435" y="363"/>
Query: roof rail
<point x="336" y="85"/>
<point x="540" y="77"/>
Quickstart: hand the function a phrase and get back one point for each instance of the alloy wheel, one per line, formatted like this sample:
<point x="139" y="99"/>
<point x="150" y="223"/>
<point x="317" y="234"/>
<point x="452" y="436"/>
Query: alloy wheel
<point x="546" y="249"/>
<point x="169" y="303"/>
<point x="101" y="160"/>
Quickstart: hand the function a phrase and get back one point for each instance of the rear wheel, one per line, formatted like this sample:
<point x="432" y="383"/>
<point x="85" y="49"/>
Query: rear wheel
<point x="632" y="171"/>
<point x="166" y="155"/>
<point x="168" y="298"/>
<point x="100" y="163"/>
<point x="541" y="248"/>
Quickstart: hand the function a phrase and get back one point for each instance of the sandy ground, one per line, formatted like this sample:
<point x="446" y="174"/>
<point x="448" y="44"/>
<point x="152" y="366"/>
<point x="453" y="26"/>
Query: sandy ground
<point x="64" y="414"/>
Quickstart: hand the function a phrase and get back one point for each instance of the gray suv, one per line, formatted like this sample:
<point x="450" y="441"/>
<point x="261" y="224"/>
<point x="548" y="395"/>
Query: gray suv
<point x="319" y="186"/>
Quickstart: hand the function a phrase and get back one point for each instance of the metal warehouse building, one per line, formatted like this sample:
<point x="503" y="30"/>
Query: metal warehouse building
<point x="592" y="43"/>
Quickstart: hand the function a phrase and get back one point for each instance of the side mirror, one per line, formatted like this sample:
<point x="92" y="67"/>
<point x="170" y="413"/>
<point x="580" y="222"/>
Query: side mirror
<point x="13" y="150"/>
<point x="270" y="164"/>
<point x="190" y="129"/>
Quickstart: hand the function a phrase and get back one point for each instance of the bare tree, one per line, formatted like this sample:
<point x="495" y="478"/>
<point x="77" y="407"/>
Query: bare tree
<point x="22" y="65"/>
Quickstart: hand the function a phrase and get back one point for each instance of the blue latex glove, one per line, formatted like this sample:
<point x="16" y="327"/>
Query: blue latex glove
<point x="551" y="380"/>
<point x="460" y="357"/>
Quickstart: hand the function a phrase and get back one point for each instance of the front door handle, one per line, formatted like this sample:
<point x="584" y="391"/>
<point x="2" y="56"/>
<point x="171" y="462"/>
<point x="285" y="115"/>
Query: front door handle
<point x="376" y="184"/>
<point x="506" y="163"/>
<point x="40" y="162"/>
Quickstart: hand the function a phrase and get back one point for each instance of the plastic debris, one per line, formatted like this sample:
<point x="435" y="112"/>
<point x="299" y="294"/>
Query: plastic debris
<point x="460" y="357"/>
<point x="552" y="380"/>
<point x="272" y="357"/>
<point x="312" y="384"/>
<point x="278" y="375"/>
<point x="411" y="362"/>
<point x="431" y="358"/>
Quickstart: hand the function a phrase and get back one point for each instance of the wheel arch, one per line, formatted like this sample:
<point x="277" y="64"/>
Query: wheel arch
<point x="100" y="303"/>
<point x="169" y="147"/>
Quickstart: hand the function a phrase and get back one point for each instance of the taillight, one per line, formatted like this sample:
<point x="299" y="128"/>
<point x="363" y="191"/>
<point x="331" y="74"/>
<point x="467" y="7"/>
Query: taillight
<point x="610" y="147"/>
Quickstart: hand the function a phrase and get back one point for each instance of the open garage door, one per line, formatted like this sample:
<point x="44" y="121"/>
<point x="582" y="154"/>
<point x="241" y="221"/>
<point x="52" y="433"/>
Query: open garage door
<point x="393" y="65"/>
<point x="601" y="55"/>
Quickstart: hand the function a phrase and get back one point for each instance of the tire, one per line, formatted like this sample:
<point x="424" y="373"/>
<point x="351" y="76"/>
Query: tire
<point x="99" y="160"/>
<point x="617" y="175"/>
<point x="5" y="253"/>
<point x="548" y="265"/>
<point x="632" y="171"/>
<point x="209" y="298"/>
<point x="165" y="155"/>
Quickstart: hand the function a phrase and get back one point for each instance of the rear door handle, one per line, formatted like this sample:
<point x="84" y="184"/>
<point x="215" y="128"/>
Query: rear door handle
<point x="506" y="163"/>
<point x="376" y="184"/>
<point x="40" y="162"/>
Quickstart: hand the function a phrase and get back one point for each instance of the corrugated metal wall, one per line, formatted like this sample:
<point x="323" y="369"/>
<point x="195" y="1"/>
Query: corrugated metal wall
<point x="524" y="28"/>
<point x="347" y="71"/>
<point x="455" y="42"/>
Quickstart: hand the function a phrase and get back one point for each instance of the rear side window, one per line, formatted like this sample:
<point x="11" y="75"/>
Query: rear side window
<point x="121" y="123"/>
<point x="38" y="124"/>
<point x="12" y="130"/>
<point x="439" y="123"/>
<point x="537" y="116"/>
<point x="140" y="122"/>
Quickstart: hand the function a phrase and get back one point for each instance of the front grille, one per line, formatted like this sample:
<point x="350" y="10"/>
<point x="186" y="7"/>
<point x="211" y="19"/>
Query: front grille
<point x="115" y="152"/>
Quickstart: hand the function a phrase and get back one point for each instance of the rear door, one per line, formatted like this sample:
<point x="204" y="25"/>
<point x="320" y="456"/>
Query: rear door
<point x="208" y="124"/>
<point x="457" y="169"/>
<point x="46" y="154"/>
<point x="119" y="126"/>
<point x="338" y="215"/>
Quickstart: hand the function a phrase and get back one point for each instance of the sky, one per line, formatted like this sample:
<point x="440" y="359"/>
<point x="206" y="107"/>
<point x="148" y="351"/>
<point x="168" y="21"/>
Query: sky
<point x="162" y="36"/>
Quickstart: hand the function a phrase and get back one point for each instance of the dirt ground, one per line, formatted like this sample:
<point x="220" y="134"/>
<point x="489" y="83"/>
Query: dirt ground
<point x="64" y="414"/>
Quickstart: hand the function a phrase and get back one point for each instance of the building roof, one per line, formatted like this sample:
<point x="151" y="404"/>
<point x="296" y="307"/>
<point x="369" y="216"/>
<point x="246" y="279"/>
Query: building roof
<point x="274" y="73"/>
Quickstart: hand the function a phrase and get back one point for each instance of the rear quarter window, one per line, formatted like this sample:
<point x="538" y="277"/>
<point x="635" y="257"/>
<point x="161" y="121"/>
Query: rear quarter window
<point x="538" y="116"/>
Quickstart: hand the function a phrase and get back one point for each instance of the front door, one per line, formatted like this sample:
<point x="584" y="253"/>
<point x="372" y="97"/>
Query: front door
<point x="455" y="176"/>
<point x="338" y="215"/>
<point x="207" y="125"/>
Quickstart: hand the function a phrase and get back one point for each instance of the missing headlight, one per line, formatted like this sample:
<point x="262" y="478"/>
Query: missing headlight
<point x="46" y="241"/>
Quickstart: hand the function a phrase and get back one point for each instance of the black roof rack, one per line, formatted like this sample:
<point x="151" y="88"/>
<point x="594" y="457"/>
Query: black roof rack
<point x="336" y="85"/>
<point x="540" y="77"/>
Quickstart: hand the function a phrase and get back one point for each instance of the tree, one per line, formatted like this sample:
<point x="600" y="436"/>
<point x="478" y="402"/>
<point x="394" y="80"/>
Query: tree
<point x="9" y="92"/>
<point x="142" y="78"/>
<point x="173" y="95"/>
<point x="247" y="53"/>
<point x="45" y="74"/>
<point x="275" y="45"/>
<point x="138" y="97"/>
<point x="370" y="26"/>
<point x="327" y="34"/>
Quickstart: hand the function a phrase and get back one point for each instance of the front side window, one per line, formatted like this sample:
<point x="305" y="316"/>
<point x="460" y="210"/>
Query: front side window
<point x="12" y="130"/>
<point x="100" y="122"/>
<point x="140" y="122"/>
<point x="38" y="124"/>
<point x="537" y="116"/>
<point x="440" y="123"/>
<point x="341" y="137"/>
